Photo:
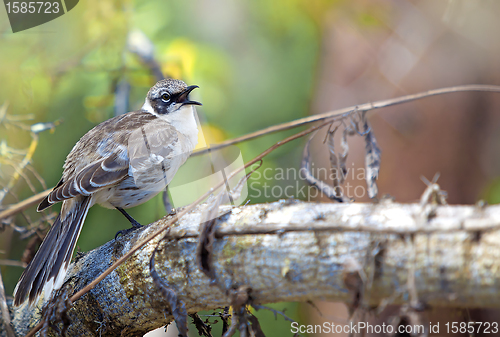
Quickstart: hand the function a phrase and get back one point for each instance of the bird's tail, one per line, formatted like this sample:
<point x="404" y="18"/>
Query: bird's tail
<point x="49" y="266"/>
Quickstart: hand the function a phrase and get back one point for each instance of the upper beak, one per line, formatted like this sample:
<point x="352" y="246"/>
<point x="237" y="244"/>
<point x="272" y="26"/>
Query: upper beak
<point x="183" y="97"/>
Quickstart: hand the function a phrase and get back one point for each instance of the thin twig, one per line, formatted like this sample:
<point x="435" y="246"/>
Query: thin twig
<point x="5" y="310"/>
<point x="23" y="205"/>
<point x="274" y="311"/>
<point x="346" y="111"/>
<point x="26" y="160"/>
<point x="12" y="263"/>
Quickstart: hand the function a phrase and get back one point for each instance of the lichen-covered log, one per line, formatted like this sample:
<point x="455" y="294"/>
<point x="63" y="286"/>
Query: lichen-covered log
<point x="293" y="251"/>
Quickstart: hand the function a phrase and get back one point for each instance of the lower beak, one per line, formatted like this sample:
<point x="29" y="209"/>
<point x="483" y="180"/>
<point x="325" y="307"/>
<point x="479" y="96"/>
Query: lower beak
<point x="183" y="98"/>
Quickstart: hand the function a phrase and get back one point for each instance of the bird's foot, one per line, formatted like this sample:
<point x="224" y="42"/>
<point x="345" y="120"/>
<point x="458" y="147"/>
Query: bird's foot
<point x="135" y="224"/>
<point x="134" y="227"/>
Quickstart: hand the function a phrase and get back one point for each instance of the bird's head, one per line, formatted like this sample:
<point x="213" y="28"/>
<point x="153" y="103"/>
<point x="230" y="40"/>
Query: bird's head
<point x="168" y="96"/>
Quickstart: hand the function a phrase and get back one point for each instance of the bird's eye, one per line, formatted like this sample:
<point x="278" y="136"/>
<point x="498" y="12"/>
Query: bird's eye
<point x="165" y="97"/>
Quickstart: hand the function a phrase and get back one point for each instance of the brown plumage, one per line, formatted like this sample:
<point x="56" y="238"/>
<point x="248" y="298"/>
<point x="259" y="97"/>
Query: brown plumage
<point x="120" y="163"/>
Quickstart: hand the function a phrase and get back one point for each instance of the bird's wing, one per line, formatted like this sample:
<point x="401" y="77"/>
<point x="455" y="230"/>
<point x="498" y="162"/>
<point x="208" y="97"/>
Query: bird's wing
<point x="155" y="140"/>
<point x="95" y="176"/>
<point x="149" y="152"/>
<point x="152" y="150"/>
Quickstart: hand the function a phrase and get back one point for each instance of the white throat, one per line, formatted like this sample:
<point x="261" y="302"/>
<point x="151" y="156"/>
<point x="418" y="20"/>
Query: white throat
<point x="147" y="107"/>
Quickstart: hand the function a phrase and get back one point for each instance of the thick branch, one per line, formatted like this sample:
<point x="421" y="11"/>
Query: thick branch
<point x="293" y="251"/>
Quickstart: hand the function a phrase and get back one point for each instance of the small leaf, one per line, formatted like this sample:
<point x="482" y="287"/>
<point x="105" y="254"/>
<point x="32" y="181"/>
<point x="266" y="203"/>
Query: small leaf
<point x="255" y="328"/>
<point x="372" y="159"/>
<point x="345" y="151"/>
<point x="306" y="174"/>
<point x="334" y="166"/>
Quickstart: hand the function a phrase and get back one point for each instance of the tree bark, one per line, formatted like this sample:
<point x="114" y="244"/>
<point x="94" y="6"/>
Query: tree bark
<point x="293" y="251"/>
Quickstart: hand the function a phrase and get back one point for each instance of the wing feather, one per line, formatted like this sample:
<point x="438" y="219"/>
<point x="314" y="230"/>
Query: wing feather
<point x="93" y="177"/>
<point x="151" y="149"/>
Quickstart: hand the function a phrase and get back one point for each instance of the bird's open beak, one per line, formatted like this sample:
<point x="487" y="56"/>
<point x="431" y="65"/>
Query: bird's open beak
<point x="184" y="96"/>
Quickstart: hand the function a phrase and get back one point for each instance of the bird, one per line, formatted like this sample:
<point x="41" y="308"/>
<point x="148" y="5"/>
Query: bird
<point x="120" y="163"/>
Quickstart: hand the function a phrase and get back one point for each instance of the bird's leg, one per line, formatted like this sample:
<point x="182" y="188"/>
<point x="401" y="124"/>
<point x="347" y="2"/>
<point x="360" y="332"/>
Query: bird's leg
<point x="167" y="204"/>
<point x="135" y="224"/>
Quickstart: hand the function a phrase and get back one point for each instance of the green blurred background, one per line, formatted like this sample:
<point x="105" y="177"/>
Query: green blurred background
<point x="259" y="63"/>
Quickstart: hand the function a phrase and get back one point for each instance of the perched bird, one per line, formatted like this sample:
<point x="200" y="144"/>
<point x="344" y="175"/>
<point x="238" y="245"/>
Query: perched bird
<point x="120" y="163"/>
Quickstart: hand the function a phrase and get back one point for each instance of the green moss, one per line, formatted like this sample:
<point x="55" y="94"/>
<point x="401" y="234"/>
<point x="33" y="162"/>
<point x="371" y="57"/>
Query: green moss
<point x="234" y="247"/>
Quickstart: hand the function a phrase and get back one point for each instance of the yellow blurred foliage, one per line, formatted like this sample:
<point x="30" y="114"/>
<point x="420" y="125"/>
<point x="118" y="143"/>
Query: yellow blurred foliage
<point x="180" y="59"/>
<point x="210" y="134"/>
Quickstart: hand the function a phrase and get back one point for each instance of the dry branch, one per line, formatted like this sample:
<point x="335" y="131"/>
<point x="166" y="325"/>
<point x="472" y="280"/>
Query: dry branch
<point x="292" y="251"/>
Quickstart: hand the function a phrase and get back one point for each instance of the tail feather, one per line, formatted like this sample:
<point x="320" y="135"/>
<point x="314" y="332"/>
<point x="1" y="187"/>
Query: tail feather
<point x="49" y="266"/>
